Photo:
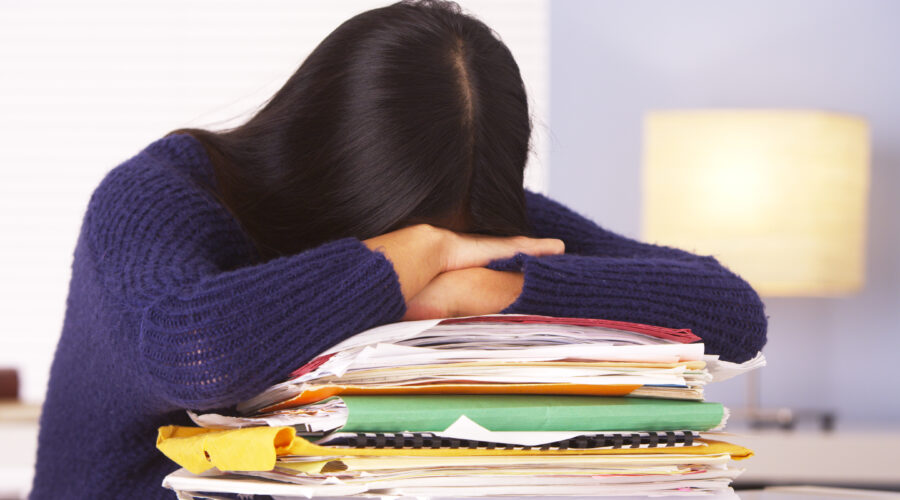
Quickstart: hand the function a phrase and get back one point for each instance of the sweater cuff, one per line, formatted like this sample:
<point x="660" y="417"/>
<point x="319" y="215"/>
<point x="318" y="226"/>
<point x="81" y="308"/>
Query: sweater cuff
<point x="565" y="285"/>
<point x="535" y="288"/>
<point x="514" y="263"/>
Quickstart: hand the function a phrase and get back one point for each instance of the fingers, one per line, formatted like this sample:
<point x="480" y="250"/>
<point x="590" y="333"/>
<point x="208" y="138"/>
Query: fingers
<point x="509" y="246"/>
<point x="539" y="246"/>
<point x="469" y="250"/>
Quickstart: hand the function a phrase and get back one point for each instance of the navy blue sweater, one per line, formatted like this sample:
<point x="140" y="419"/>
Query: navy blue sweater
<point x="166" y="312"/>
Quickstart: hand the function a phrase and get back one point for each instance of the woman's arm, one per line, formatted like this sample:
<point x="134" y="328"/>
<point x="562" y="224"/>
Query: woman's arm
<point x="605" y="275"/>
<point x="213" y="330"/>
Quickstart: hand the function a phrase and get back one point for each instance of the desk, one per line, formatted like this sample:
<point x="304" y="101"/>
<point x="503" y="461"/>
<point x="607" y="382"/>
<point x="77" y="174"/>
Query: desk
<point x="844" y="458"/>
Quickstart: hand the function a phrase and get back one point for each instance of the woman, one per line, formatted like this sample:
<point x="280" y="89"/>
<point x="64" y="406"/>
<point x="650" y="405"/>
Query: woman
<point x="382" y="182"/>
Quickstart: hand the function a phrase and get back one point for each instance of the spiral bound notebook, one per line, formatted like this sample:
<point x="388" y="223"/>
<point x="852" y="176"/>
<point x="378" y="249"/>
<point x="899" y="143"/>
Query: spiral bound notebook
<point x="419" y="440"/>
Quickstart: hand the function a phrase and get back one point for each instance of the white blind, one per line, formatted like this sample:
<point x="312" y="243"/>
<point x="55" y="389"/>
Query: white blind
<point x="86" y="85"/>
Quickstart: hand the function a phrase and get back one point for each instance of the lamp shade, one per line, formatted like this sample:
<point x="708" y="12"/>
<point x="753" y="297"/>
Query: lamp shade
<point x="779" y="197"/>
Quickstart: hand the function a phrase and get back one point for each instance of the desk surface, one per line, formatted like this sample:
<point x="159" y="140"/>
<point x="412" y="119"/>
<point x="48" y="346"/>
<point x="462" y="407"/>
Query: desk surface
<point x="804" y="457"/>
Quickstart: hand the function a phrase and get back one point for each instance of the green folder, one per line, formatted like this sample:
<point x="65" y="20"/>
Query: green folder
<point x="434" y="413"/>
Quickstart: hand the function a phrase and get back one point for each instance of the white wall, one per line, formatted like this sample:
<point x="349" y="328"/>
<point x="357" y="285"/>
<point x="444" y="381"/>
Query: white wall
<point x="614" y="60"/>
<point x="86" y="85"/>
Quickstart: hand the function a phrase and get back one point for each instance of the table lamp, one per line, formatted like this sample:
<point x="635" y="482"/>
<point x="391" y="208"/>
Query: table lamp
<point x="777" y="196"/>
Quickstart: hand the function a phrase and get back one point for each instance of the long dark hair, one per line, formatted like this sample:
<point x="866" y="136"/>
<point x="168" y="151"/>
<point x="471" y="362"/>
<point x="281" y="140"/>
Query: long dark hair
<point x="414" y="112"/>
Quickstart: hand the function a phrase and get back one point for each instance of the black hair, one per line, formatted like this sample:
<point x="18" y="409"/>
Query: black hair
<point x="410" y="113"/>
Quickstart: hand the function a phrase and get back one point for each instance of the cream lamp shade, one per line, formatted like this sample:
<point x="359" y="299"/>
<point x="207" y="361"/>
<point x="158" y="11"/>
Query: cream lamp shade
<point x="778" y="197"/>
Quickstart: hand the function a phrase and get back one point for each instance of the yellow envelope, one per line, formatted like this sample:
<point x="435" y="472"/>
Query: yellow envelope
<point x="198" y="449"/>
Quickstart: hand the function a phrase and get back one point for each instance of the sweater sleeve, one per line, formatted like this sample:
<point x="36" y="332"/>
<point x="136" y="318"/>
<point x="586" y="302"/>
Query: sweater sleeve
<point x="605" y="275"/>
<point x="213" y="333"/>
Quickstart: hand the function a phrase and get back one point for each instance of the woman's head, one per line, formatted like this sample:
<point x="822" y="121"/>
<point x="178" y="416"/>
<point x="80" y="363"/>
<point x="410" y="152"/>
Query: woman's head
<point x="409" y="113"/>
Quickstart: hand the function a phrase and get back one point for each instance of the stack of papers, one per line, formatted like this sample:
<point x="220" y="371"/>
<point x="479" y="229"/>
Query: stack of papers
<point x="480" y="406"/>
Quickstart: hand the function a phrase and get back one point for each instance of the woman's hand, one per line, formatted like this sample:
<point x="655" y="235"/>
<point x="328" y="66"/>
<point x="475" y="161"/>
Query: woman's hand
<point x="465" y="292"/>
<point x="422" y="252"/>
<point x="463" y="251"/>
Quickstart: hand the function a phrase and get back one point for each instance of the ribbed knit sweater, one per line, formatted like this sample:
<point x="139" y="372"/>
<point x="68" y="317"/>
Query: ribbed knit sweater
<point x="166" y="311"/>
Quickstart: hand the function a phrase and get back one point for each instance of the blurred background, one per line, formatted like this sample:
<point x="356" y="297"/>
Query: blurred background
<point x="86" y="86"/>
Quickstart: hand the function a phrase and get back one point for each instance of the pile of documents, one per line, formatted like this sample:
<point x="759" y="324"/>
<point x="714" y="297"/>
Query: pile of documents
<point x="478" y="406"/>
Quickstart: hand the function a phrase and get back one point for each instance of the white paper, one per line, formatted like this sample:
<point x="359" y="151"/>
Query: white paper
<point x="393" y="355"/>
<point x="329" y="416"/>
<point x="182" y="480"/>
<point x="390" y="333"/>
<point x="216" y="421"/>
<point x="465" y="428"/>
<point x="724" y="370"/>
